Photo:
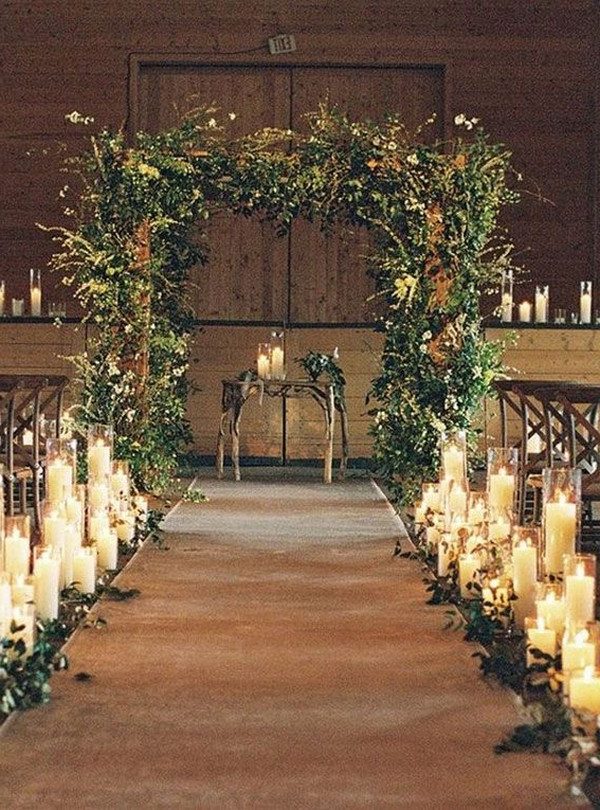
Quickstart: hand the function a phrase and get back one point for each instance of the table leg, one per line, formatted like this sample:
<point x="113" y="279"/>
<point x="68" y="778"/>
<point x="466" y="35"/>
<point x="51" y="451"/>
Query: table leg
<point x="220" y="459"/>
<point x="330" y="423"/>
<point x="235" y="441"/>
<point x="344" y="458"/>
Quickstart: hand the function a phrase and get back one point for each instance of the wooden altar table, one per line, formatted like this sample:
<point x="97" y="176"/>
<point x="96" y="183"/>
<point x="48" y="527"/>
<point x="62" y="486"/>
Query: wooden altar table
<point x="237" y="392"/>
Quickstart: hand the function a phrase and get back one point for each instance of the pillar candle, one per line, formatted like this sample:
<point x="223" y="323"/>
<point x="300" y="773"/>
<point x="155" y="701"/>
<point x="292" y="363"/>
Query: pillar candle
<point x="84" y="569"/>
<point x="99" y="525"/>
<point x="501" y="490"/>
<point x="524" y="581"/>
<point x="578" y="653"/>
<point x="16" y="554"/>
<point x="60" y="480"/>
<point x="507" y="306"/>
<point x="498" y="530"/>
<point x="54" y="528"/>
<point x="525" y="312"/>
<point x="119" y="484"/>
<point x="18" y="307"/>
<point x="140" y="504"/>
<point x="446" y="553"/>
<point x="560" y="526"/>
<point x="584" y="691"/>
<point x="468" y="565"/>
<point x="99" y="460"/>
<point x="552" y="611"/>
<point x="432" y="536"/>
<point x="2" y="297"/>
<point x="22" y="591"/>
<point x="71" y="543"/>
<point x="46" y="575"/>
<point x="419" y="513"/>
<point x="107" y="546"/>
<point x="454" y="463"/>
<point x="277" y="363"/>
<point x="36" y="302"/>
<point x="477" y="513"/>
<point x="263" y="366"/>
<point x="585" y="308"/>
<point x="126" y="526"/>
<point x="432" y="500"/>
<point x="541" y="306"/>
<point x="580" y="598"/>
<point x="99" y="495"/>
<point x="540" y="638"/>
<point x="457" y="499"/>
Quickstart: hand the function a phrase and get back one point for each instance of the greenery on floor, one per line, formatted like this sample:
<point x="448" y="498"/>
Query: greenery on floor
<point x="433" y="212"/>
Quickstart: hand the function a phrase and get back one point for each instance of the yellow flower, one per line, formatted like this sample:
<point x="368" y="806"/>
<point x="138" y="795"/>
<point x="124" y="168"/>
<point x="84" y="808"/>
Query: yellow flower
<point x="148" y="171"/>
<point x="405" y="287"/>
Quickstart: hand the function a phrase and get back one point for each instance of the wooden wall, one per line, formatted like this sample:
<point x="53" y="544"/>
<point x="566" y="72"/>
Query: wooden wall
<point x="529" y="70"/>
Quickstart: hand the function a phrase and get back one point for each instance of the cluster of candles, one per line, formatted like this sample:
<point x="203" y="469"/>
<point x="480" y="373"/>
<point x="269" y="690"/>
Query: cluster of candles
<point x="535" y="572"/>
<point x="539" y="311"/>
<point x="81" y="528"/>
<point x="17" y="308"/>
<point x="270" y="363"/>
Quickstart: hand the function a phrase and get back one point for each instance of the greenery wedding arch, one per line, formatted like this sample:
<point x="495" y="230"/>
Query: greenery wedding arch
<point x="432" y="209"/>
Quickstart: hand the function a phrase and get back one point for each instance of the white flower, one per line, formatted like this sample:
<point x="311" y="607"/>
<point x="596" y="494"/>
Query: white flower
<point x="232" y="116"/>
<point x="336" y="353"/>
<point x="77" y="118"/>
<point x="426" y="335"/>
<point x="412" y="159"/>
<point x="212" y="123"/>
<point x="459" y="119"/>
<point x="462" y="120"/>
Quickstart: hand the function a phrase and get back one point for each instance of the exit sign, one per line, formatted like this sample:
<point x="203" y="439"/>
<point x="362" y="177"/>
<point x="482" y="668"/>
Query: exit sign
<point x="282" y="43"/>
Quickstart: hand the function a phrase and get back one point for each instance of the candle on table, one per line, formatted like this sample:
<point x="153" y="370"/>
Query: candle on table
<point x="524" y="580"/>
<point x="501" y="490"/>
<point x="552" y="610"/>
<point x="477" y="512"/>
<point x="540" y="638"/>
<point x="507" y="306"/>
<point x="468" y="566"/>
<point x="24" y="620"/>
<point x="60" y="480"/>
<point x="46" y="577"/>
<point x="541" y="304"/>
<point x="499" y="529"/>
<point x="36" y="302"/>
<point x="584" y="691"/>
<point x="263" y="362"/>
<point x="16" y="554"/>
<point x="22" y="591"/>
<point x="72" y="542"/>
<point x="454" y="463"/>
<point x="107" y="545"/>
<point x="84" y="569"/>
<point x="99" y="524"/>
<point x="419" y="513"/>
<point x="560" y="526"/>
<point x="99" y="460"/>
<point x="18" y="307"/>
<point x="580" y="597"/>
<point x="119" y="484"/>
<point x="525" y="312"/>
<point x="585" y="302"/>
<point x="277" y="363"/>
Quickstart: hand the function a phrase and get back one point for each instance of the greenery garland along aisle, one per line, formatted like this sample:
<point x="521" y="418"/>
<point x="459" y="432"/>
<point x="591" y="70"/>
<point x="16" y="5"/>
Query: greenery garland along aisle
<point x="432" y="211"/>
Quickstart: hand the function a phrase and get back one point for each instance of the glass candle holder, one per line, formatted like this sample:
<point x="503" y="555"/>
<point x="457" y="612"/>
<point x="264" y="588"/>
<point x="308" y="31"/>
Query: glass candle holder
<point x="542" y="302"/>
<point x="579" y="648"/>
<point x="502" y="472"/>
<point x="477" y="514"/>
<point x="447" y="554"/>
<point x="420" y="515"/>
<point x="263" y="361"/>
<point x="585" y="302"/>
<point x="560" y="315"/>
<point x="525" y="309"/>
<point x="16" y="548"/>
<point x="277" y="356"/>
<point x="54" y="523"/>
<point x="580" y="588"/>
<point x="99" y="452"/>
<point x="23" y="622"/>
<point x="469" y="566"/>
<point x="61" y="468"/>
<point x="584" y="691"/>
<point x="119" y="480"/>
<point x="525" y="546"/>
<point x="18" y="307"/>
<point x="456" y="501"/>
<point x="84" y="569"/>
<point x="99" y="524"/>
<point x="550" y="606"/>
<point x="432" y="498"/>
<point x="453" y="448"/>
<point x="540" y="639"/>
<point x="506" y="304"/>
<point x="46" y="581"/>
<point x="561" y="516"/>
<point x="22" y="590"/>
<point x="98" y="494"/>
<point x="35" y="292"/>
<point x="2" y="298"/>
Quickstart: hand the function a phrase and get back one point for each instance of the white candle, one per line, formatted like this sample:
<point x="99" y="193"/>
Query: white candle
<point x="432" y="500"/>
<point x="99" y="496"/>
<point x="277" y="363"/>
<point x="119" y="484"/>
<point x="585" y="307"/>
<point x="578" y="653"/>
<point x="477" y="513"/>
<point x="60" y="480"/>
<point x="584" y="691"/>
<point x="99" y="525"/>
<point x="54" y="528"/>
<point x="540" y="638"/>
<point x="507" y="306"/>
<point x="263" y="366"/>
<point x="84" y="569"/>
<point x="498" y="530"/>
<point x="419" y="513"/>
<point x="446" y="553"/>
<point x="46" y="576"/>
<point x="18" y="307"/>
<point x="140" y="505"/>
<point x="457" y="499"/>
<point x="22" y="591"/>
<point x="454" y="463"/>
<point x="126" y="526"/>
<point x="525" y="311"/>
<point x="468" y="565"/>
<point x="432" y="536"/>
<point x="580" y="597"/>
<point x="36" y="302"/>
<point x="524" y="581"/>
<point x="26" y="622"/>
<point x="552" y="610"/>
<point x="108" y="550"/>
<point x="541" y="305"/>
<point x="99" y="460"/>
<point x="16" y="554"/>
<point x="560" y="525"/>
<point x="72" y="542"/>
<point x="501" y="491"/>
<point x="2" y="297"/>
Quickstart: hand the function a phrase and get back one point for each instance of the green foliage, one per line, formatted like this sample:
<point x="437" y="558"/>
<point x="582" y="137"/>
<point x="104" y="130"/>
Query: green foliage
<point x="317" y="364"/>
<point x="432" y="211"/>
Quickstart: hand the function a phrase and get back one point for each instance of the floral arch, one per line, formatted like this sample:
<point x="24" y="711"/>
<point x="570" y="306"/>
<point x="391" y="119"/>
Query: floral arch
<point x="433" y="210"/>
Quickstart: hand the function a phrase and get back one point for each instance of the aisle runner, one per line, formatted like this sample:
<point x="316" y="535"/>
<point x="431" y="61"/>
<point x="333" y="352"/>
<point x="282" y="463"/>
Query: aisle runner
<point x="277" y="657"/>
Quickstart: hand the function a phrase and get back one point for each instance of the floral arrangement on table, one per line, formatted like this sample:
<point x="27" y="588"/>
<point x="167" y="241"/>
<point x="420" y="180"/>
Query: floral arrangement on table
<point x="432" y="209"/>
<point x="317" y="364"/>
<point x="522" y="593"/>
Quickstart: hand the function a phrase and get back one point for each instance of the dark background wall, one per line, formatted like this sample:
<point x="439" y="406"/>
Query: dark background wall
<point x="527" y="68"/>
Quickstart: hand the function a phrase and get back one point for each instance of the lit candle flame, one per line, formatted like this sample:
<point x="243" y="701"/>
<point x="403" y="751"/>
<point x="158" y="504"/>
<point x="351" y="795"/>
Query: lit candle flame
<point x="541" y="623"/>
<point x="581" y="637"/>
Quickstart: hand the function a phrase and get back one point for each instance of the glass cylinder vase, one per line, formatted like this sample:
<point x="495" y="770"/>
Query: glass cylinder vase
<point x="525" y="568"/>
<point x="585" y="302"/>
<point x="502" y="476"/>
<point x="542" y="303"/>
<point x="561" y="516"/>
<point x="506" y="305"/>
<point x="550" y="606"/>
<point x="277" y="356"/>
<point x="456" y="502"/>
<point x="580" y="588"/>
<point x="61" y="468"/>
<point x="35" y="292"/>
<point x="453" y="446"/>
<point x="119" y="480"/>
<point x="263" y="361"/>
<point x="99" y="452"/>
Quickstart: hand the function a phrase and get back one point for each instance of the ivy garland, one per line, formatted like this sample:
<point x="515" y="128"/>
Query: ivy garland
<point x="433" y="213"/>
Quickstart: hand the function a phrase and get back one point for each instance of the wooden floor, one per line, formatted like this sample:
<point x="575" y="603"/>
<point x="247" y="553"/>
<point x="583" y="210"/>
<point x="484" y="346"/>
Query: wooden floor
<point x="277" y="657"/>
